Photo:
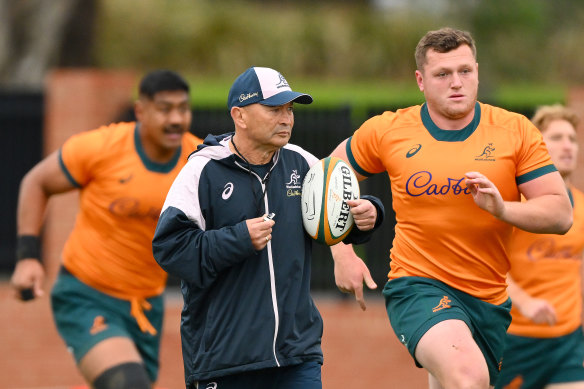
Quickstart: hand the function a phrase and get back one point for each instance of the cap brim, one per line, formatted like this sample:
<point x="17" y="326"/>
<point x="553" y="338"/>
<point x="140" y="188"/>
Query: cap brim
<point x="285" y="97"/>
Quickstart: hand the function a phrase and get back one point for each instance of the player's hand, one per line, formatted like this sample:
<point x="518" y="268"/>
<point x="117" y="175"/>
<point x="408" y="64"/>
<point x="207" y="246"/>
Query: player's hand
<point x="538" y="311"/>
<point x="260" y="231"/>
<point x="485" y="194"/>
<point x="364" y="213"/>
<point x="27" y="279"/>
<point x="351" y="272"/>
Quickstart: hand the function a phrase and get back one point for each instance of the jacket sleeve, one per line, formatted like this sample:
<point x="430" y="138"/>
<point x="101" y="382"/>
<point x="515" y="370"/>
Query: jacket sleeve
<point x="183" y="245"/>
<point x="182" y="249"/>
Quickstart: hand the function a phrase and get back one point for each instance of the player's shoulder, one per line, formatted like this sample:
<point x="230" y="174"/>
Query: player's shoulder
<point x="104" y="136"/>
<point x="392" y="120"/>
<point x="498" y="116"/>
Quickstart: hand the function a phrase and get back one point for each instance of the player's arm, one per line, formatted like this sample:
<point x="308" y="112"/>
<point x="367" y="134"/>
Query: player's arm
<point x="341" y="152"/>
<point x="547" y="209"/>
<point x="535" y="309"/>
<point x="38" y="185"/>
<point x="350" y="270"/>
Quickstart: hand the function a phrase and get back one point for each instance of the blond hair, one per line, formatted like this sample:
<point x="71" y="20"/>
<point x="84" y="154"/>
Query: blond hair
<point x="546" y="114"/>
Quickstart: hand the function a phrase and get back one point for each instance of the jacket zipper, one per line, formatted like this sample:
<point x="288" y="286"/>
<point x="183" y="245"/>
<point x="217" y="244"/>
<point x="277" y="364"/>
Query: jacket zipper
<point x="271" y="267"/>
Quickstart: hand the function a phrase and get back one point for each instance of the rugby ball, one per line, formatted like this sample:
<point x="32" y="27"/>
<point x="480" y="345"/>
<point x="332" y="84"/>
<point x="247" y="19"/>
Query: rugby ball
<point x="325" y="189"/>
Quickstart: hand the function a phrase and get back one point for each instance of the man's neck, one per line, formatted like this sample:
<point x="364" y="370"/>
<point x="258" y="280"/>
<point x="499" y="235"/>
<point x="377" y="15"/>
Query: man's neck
<point x="452" y="124"/>
<point x="255" y="155"/>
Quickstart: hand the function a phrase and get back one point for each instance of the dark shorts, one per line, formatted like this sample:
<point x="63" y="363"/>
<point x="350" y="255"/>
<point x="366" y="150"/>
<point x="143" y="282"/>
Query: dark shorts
<point x="85" y="317"/>
<point x="306" y="375"/>
<point x="416" y="304"/>
<point x="537" y="362"/>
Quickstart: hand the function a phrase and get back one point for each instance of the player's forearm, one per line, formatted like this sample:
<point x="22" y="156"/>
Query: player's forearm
<point x="32" y="203"/>
<point x="548" y="214"/>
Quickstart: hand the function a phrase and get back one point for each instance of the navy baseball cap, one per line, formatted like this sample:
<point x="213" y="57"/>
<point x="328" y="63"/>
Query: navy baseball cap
<point x="265" y="86"/>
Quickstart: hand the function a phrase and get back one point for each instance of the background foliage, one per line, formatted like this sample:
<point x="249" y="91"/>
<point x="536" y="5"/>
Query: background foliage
<point x="528" y="50"/>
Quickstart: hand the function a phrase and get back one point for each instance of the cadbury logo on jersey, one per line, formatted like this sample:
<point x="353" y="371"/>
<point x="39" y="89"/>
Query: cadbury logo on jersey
<point x="421" y="183"/>
<point x="131" y="208"/>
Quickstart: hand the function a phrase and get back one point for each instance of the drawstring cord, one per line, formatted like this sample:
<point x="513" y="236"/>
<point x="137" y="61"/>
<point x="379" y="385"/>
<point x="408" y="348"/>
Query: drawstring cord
<point x="137" y="311"/>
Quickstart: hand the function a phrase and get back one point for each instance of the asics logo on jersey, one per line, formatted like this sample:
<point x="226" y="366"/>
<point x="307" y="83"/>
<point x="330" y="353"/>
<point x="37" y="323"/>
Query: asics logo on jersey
<point x="487" y="154"/>
<point x="123" y="180"/>
<point x="413" y="151"/>
<point x="99" y="325"/>
<point x="421" y="183"/>
<point x="211" y="385"/>
<point x="227" y="191"/>
<point x="444" y="303"/>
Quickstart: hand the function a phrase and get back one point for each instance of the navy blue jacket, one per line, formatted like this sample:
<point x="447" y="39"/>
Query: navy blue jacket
<point x="243" y="309"/>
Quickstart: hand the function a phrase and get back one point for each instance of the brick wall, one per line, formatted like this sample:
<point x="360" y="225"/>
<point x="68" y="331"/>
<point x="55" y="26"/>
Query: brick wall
<point x="77" y="100"/>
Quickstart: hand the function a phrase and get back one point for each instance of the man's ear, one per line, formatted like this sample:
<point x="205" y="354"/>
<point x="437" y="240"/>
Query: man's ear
<point x="237" y="114"/>
<point x="138" y="109"/>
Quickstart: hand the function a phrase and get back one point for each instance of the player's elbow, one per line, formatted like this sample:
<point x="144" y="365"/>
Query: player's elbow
<point x="564" y="217"/>
<point x="566" y="223"/>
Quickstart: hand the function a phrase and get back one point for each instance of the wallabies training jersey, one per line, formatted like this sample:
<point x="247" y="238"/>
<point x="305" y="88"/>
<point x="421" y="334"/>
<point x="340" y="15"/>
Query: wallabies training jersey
<point x="440" y="232"/>
<point x="548" y="267"/>
<point x="121" y="196"/>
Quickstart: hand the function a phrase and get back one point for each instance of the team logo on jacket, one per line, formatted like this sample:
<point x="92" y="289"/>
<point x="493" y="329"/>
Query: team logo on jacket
<point x="487" y="154"/>
<point x="282" y="83"/>
<point x="227" y="191"/>
<point x="293" y="186"/>
<point x="211" y="385"/>
<point x="413" y="151"/>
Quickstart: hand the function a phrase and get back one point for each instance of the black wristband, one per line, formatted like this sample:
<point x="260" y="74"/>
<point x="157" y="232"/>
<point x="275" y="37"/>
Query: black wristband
<point x="28" y="246"/>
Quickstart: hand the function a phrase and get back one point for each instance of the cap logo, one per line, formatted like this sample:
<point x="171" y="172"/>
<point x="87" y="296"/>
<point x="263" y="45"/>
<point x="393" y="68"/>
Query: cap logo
<point x="282" y="83"/>
<point x="243" y="96"/>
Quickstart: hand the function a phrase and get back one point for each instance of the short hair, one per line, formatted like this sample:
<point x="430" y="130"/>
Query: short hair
<point x="546" y="114"/>
<point x="161" y="80"/>
<point x="442" y="41"/>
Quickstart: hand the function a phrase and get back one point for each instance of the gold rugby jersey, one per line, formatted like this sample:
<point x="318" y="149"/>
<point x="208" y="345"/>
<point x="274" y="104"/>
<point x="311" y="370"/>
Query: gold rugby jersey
<point x="440" y="232"/>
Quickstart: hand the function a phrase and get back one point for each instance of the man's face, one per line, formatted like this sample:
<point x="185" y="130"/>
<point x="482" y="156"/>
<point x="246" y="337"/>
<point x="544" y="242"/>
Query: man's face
<point x="561" y="142"/>
<point x="450" y="82"/>
<point x="269" y="126"/>
<point x="164" y="118"/>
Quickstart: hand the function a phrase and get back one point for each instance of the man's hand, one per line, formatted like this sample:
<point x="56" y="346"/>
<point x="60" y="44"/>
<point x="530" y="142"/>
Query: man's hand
<point x="351" y="272"/>
<point x="485" y="194"/>
<point x="538" y="311"/>
<point x="27" y="279"/>
<point x="260" y="231"/>
<point x="364" y="213"/>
